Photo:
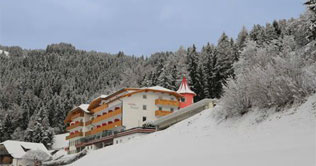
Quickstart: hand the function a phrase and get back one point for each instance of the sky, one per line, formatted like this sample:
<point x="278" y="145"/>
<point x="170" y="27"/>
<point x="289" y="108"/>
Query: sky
<point x="136" y="27"/>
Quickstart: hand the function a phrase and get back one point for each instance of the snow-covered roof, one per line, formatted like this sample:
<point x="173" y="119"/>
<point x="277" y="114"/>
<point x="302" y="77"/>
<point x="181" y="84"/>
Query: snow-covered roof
<point x="184" y="87"/>
<point x="158" y="88"/>
<point x="103" y="96"/>
<point x="84" y="107"/>
<point x="60" y="141"/>
<point x="17" y="149"/>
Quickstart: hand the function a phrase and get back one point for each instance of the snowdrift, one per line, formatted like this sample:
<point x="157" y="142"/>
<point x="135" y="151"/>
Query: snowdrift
<point x="258" y="138"/>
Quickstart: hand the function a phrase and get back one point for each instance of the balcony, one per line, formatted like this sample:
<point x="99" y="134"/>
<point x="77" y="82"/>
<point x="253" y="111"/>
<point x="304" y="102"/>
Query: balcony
<point x="100" y="108"/>
<point x="89" y="122"/>
<point x="78" y="134"/>
<point x="102" y="128"/>
<point x="160" y="113"/>
<point x="167" y="102"/>
<point x="81" y="114"/>
<point x="106" y="116"/>
<point x="74" y="125"/>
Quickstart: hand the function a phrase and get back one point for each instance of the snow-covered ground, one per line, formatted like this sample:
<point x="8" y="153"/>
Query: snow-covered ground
<point x="285" y="138"/>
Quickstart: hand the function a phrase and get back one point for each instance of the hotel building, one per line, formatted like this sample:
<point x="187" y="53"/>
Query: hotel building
<point x="122" y="114"/>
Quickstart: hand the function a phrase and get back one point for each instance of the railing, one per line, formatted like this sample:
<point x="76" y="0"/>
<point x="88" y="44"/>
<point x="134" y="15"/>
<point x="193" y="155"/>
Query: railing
<point x="167" y="102"/>
<point x="89" y="122"/>
<point x="78" y="134"/>
<point x="74" y="126"/>
<point x="106" y="116"/>
<point x="77" y="115"/>
<point x="100" y="108"/>
<point x="107" y="127"/>
<point x="162" y="113"/>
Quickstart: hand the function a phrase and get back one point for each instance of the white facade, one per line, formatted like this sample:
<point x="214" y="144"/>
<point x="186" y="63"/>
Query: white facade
<point x="140" y="108"/>
<point x="127" y="138"/>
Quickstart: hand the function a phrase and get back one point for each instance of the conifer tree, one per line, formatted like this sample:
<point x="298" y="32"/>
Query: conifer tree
<point x="39" y="129"/>
<point x="241" y="39"/>
<point x="226" y="57"/>
<point x="311" y="5"/>
<point x="194" y="73"/>
<point x="6" y="129"/>
<point x="213" y="83"/>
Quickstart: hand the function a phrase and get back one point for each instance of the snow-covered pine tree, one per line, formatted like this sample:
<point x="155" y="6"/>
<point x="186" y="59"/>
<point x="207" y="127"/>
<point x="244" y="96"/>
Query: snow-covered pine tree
<point x="213" y="83"/>
<point x="271" y="32"/>
<point x="257" y="34"/>
<point x="311" y="5"/>
<point x="226" y="57"/>
<point x="242" y="38"/>
<point x="194" y="73"/>
<point x="6" y="129"/>
<point x="169" y="76"/>
<point x="39" y="129"/>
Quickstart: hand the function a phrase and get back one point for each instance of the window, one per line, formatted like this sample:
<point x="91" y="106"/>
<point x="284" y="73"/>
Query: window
<point x="144" y="107"/>
<point x="144" y="97"/>
<point x="172" y="98"/>
<point x="171" y="109"/>
<point x="182" y="99"/>
<point x="144" y="118"/>
<point x="116" y="141"/>
<point x="120" y="141"/>
<point x="160" y="108"/>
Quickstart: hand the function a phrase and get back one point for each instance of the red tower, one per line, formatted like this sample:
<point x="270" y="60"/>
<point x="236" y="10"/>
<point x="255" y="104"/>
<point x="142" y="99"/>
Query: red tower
<point x="186" y="92"/>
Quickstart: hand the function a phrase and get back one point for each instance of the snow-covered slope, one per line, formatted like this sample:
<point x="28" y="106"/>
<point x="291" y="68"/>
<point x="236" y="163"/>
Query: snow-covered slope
<point x="280" y="139"/>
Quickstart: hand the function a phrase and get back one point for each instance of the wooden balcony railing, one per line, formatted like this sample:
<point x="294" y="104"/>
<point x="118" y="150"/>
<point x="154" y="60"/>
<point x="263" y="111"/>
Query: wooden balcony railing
<point x="81" y="114"/>
<point x="74" y="126"/>
<point x="102" y="128"/>
<point x="106" y="116"/>
<point x="162" y="113"/>
<point x="100" y="108"/>
<point x="78" y="134"/>
<point x="167" y="102"/>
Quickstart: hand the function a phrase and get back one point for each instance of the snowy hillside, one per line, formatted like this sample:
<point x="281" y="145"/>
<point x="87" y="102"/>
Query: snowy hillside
<point x="281" y="139"/>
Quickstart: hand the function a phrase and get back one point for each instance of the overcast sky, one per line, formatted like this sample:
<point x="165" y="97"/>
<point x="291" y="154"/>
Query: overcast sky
<point x="138" y="27"/>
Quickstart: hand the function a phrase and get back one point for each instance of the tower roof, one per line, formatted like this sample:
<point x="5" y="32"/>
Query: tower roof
<point x="184" y="87"/>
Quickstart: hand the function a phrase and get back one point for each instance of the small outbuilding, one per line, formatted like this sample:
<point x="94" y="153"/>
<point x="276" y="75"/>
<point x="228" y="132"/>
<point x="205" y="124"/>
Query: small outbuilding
<point x="13" y="153"/>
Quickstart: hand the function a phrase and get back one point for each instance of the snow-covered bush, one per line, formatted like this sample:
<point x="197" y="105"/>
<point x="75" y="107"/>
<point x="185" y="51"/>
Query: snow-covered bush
<point x="67" y="159"/>
<point x="35" y="156"/>
<point x="271" y="75"/>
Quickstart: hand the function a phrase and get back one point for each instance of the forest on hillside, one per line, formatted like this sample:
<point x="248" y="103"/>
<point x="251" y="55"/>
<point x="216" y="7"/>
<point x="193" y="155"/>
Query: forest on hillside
<point x="266" y="66"/>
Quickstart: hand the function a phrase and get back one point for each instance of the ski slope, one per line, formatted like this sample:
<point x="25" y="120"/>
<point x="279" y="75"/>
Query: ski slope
<point x="286" y="138"/>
